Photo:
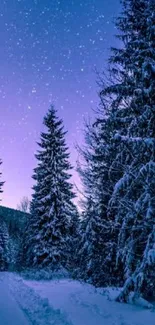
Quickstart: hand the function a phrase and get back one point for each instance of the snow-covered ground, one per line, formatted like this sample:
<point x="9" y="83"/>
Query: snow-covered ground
<point x="63" y="302"/>
<point x="10" y="313"/>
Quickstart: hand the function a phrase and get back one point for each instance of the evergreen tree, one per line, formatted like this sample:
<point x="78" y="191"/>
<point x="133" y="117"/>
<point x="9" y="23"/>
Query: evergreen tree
<point x="95" y="244"/>
<point x="119" y="170"/>
<point x="132" y="113"/>
<point x="73" y="242"/>
<point x="83" y="265"/>
<point x="52" y="207"/>
<point x="4" y="246"/>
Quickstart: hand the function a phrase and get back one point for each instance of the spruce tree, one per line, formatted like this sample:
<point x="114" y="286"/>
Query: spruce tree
<point x="84" y="269"/>
<point x="51" y="207"/>
<point x="121" y="165"/>
<point x="4" y="246"/>
<point x="95" y="244"/>
<point x="73" y="241"/>
<point x="132" y="111"/>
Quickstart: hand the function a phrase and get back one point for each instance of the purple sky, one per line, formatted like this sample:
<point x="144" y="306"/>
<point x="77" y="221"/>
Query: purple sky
<point x="49" y="51"/>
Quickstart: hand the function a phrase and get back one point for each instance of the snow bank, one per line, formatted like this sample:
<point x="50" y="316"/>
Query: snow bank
<point x="86" y="305"/>
<point x="10" y="312"/>
<point x="112" y="293"/>
<point x="37" y="309"/>
<point x="139" y="301"/>
<point x="65" y="302"/>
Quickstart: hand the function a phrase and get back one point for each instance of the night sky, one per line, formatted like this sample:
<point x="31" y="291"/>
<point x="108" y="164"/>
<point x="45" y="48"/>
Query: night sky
<point x="49" y="51"/>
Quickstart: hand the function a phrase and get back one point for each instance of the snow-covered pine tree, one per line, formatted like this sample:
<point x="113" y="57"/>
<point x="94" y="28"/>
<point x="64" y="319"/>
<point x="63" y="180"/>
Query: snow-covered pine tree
<point x="52" y="207"/>
<point x="73" y="242"/>
<point x="91" y="247"/>
<point x="4" y="246"/>
<point x="133" y="115"/>
<point x="85" y="239"/>
<point x="96" y="247"/>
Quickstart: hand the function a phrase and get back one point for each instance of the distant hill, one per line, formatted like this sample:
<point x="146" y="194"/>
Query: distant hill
<point x="13" y="217"/>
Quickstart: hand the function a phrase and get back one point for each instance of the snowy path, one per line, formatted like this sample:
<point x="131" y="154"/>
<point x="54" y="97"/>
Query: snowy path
<point x="63" y="302"/>
<point x="84" y="305"/>
<point x="10" y="313"/>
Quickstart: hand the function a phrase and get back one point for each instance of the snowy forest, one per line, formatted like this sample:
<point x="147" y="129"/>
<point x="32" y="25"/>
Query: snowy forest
<point x="110" y="240"/>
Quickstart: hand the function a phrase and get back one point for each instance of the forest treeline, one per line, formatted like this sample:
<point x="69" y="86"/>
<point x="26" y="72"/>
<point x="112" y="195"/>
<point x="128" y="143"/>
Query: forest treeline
<point x="112" y="242"/>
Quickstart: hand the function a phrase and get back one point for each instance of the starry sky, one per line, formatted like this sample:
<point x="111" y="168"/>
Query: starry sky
<point x="49" y="51"/>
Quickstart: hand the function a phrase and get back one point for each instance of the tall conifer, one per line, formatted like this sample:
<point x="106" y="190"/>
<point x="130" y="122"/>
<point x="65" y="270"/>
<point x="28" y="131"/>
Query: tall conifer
<point x="52" y="207"/>
<point x="133" y="115"/>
